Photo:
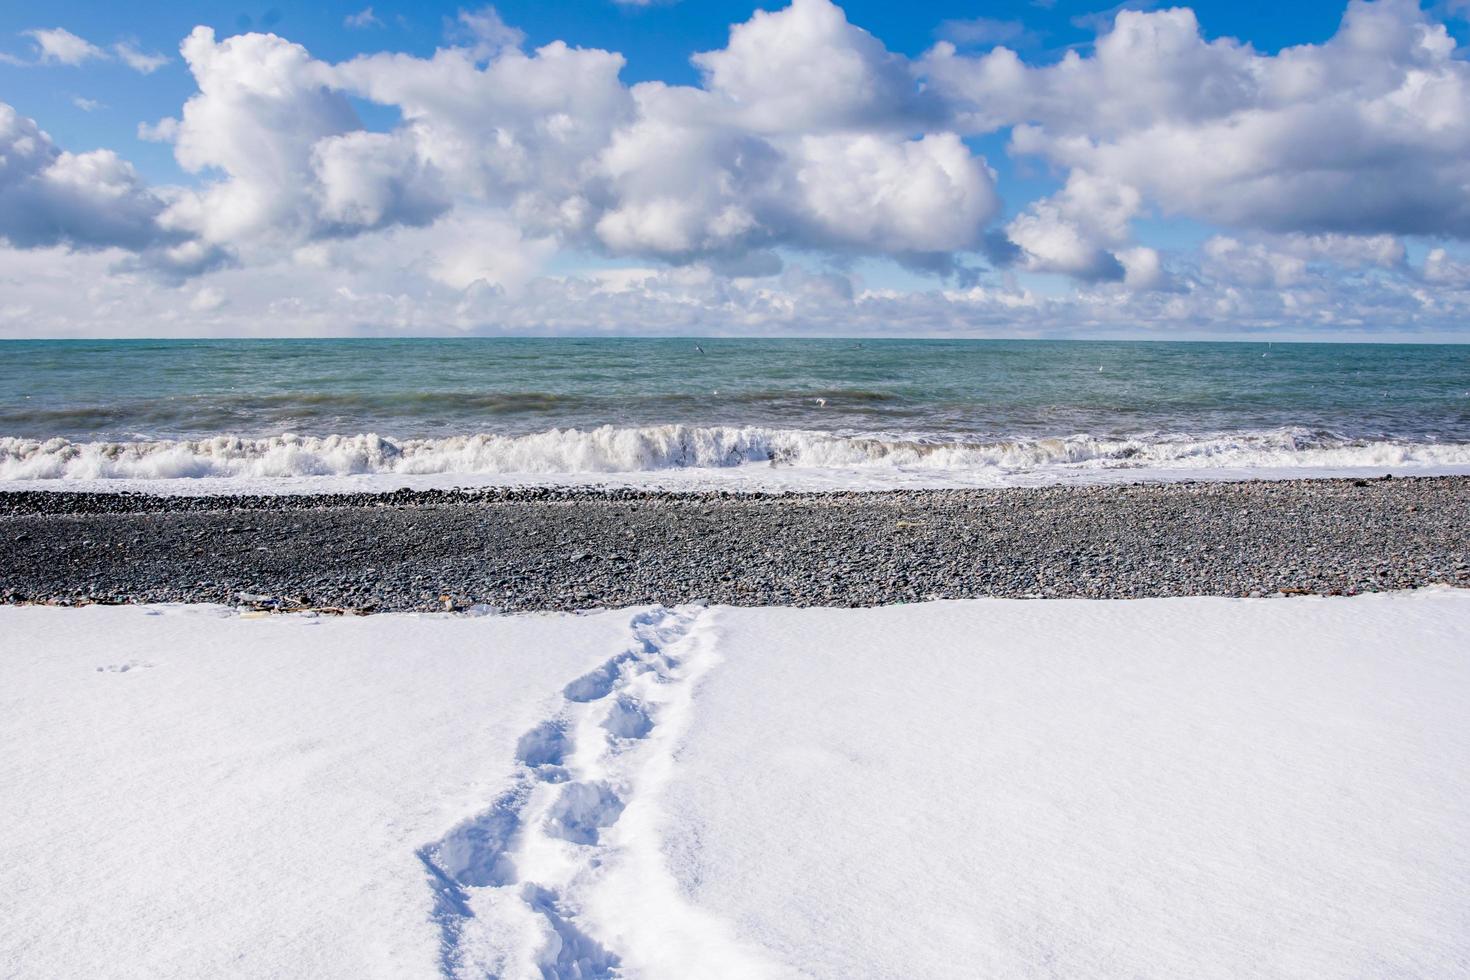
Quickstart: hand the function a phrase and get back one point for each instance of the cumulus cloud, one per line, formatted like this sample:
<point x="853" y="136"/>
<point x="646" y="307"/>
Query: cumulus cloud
<point x="1366" y="134"/>
<point x="1071" y="231"/>
<point x="369" y="180"/>
<point x="801" y="135"/>
<point x="291" y="156"/>
<point x="759" y="156"/>
<point x="1143" y="269"/>
<point x="804" y="146"/>
<point x="1049" y="242"/>
<point x="805" y="68"/>
<point x="1252" y="264"/>
<point x="1441" y="268"/>
<point x="49" y="196"/>
<point x="683" y="189"/>
<point x="516" y="130"/>
<point x="928" y="195"/>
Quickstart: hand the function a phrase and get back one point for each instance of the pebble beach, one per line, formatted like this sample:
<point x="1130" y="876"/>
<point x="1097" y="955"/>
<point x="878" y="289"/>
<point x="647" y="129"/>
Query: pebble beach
<point x="573" y="549"/>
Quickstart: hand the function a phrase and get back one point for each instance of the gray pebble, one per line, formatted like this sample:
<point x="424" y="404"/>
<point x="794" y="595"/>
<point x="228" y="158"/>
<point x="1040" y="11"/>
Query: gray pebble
<point x="577" y="548"/>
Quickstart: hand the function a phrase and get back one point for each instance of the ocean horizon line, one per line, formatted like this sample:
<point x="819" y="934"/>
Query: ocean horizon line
<point x="737" y="338"/>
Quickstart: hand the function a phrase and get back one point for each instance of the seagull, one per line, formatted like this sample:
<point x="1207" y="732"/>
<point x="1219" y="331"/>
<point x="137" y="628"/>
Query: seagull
<point x="699" y="348"/>
<point x="822" y="402"/>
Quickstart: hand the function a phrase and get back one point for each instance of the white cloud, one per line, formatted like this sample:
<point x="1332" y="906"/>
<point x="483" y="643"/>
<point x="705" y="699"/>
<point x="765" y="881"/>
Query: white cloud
<point x="682" y="190"/>
<point x="369" y="180"/>
<point x="1252" y="264"/>
<point x="1348" y="251"/>
<point x="519" y="130"/>
<point x="207" y="300"/>
<point x="486" y="249"/>
<point x="806" y="148"/>
<point x="138" y="60"/>
<point x="49" y="196"/>
<point x="1143" y="268"/>
<point x="805" y="68"/>
<point x="873" y="193"/>
<point x="164" y="131"/>
<point x="364" y="18"/>
<point x="293" y="159"/>
<point x="364" y="285"/>
<point x="1280" y="261"/>
<point x="555" y="139"/>
<point x="1072" y="231"/>
<point x="1442" y="269"/>
<point x="487" y="34"/>
<point x="85" y="104"/>
<point x="1365" y="134"/>
<point x="1050" y="242"/>
<point x="800" y="136"/>
<point x="57" y="45"/>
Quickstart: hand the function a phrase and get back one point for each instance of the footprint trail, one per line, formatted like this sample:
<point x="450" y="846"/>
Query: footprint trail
<point x="562" y="875"/>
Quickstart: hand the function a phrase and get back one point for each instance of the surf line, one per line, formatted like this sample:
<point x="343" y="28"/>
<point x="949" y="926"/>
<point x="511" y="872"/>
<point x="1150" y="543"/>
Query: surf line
<point x="563" y="875"/>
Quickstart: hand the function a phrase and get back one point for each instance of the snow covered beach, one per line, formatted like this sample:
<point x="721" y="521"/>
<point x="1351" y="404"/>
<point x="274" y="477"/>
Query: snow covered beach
<point x="1169" y="787"/>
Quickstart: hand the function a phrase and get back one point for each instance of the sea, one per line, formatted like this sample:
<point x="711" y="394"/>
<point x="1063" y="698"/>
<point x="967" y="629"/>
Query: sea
<point x="287" y="415"/>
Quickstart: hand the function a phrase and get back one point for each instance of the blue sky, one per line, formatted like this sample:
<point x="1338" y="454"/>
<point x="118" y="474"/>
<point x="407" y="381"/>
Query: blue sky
<point x="935" y="168"/>
<point x="658" y="40"/>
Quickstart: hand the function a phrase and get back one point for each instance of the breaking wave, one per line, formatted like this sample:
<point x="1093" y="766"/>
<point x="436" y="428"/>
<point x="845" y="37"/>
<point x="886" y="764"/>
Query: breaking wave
<point x="613" y="450"/>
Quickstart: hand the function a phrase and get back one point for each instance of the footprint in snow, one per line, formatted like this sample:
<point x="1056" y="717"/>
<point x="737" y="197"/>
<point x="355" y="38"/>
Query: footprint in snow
<point x="124" y="668"/>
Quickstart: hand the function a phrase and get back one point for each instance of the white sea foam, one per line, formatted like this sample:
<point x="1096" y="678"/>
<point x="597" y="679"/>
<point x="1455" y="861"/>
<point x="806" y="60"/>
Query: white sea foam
<point x="714" y="454"/>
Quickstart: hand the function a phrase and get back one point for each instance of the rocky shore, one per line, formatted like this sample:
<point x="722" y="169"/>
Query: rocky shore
<point x="544" y="549"/>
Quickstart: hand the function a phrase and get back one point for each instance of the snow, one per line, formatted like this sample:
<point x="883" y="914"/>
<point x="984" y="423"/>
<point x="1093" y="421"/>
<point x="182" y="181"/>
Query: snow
<point x="1163" y="788"/>
<point x="1178" y="787"/>
<point x="192" y="793"/>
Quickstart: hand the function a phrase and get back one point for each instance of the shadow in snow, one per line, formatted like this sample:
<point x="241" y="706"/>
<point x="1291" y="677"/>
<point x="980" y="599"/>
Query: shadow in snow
<point x="476" y="852"/>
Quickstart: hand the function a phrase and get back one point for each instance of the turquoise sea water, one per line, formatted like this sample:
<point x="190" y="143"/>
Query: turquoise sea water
<point x="119" y="390"/>
<point x="718" y="402"/>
